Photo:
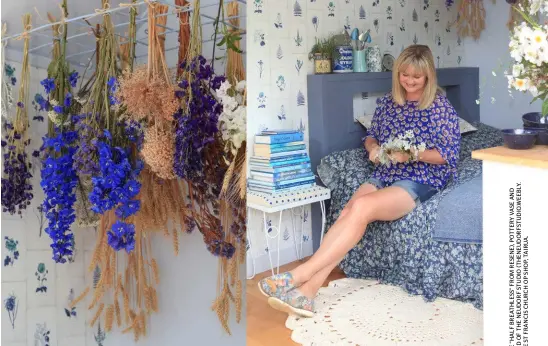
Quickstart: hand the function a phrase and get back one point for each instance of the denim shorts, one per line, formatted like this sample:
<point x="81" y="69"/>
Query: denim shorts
<point x="419" y="192"/>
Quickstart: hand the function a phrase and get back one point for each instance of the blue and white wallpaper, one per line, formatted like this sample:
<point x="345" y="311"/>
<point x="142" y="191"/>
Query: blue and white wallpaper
<point x="280" y="34"/>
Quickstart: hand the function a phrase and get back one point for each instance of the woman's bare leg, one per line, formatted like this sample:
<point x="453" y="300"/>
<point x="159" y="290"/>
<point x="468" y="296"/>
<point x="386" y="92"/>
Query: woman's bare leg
<point x="387" y="204"/>
<point x="360" y="192"/>
<point x="317" y="280"/>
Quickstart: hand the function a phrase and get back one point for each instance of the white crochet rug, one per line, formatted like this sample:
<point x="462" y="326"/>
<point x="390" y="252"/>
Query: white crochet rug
<point x="363" y="312"/>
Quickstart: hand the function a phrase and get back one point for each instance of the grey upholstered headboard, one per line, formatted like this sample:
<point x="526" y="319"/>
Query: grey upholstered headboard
<point x="331" y="125"/>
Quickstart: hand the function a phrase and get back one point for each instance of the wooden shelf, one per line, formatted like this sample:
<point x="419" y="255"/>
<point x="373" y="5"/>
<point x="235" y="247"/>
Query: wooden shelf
<point x="534" y="157"/>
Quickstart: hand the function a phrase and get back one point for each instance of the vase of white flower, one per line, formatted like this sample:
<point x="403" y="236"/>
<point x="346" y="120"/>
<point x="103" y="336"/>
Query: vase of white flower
<point x="529" y="49"/>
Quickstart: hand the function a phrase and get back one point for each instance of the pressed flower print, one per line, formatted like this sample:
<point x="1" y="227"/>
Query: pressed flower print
<point x="40" y="216"/>
<point x="315" y="22"/>
<point x="41" y="276"/>
<point x="262" y="100"/>
<point x="100" y="336"/>
<point x="361" y="13"/>
<point x="13" y="252"/>
<point x="300" y="99"/>
<point x="331" y="9"/>
<point x="258" y="6"/>
<point x="260" y="37"/>
<point x="298" y="39"/>
<point x="297" y="9"/>
<point x="389" y="12"/>
<point x="280" y="83"/>
<point x="70" y="312"/>
<point x="301" y="127"/>
<point x="11" y="304"/>
<point x="298" y="66"/>
<point x="281" y="113"/>
<point x="278" y="23"/>
<point x="286" y="234"/>
<point x="279" y="52"/>
<point x="260" y="66"/>
<point x="41" y="335"/>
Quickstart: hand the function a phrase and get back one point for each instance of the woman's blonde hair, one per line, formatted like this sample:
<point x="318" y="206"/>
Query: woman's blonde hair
<point x="421" y="59"/>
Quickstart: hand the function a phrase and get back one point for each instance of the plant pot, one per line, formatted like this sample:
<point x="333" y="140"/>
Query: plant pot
<point x="322" y="64"/>
<point x="535" y="119"/>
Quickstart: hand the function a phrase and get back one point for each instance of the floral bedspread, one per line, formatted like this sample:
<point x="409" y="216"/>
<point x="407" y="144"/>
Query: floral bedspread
<point x="402" y="252"/>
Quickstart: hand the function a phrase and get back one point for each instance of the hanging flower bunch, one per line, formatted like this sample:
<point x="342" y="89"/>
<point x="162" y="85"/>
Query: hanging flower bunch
<point x="108" y="147"/>
<point x="232" y="121"/>
<point x="529" y="49"/>
<point x="197" y="119"/>
<point x="58" y="177"/>
<point x="148" y="96"/>
<point x="16" y="176"/>
<point x="115" y="187"/>
<point x="59" y="181"/>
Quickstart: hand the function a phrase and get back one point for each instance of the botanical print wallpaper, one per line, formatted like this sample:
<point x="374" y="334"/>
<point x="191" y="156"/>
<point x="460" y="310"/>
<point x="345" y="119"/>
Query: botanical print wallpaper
<point x="280" y="34"/>
<point x="37" y="292"/>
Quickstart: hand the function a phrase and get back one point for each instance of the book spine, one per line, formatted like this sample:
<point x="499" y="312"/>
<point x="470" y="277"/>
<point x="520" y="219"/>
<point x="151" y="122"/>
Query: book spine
<point x="277" y="158"/>
<point x="278" y="169"/>
<point x="281" y="184"/>
<point x="296" y="173"/>
<point x="282" y="163"/>
<point x="276" y="190"/>
<point x="279" y="145"/>
<point x="283" y="138"/>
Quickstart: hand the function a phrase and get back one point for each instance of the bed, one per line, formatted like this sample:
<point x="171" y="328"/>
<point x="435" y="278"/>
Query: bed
<point x="402" y="252"/>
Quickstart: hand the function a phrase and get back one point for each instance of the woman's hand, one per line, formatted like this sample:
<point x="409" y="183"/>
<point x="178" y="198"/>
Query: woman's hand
<point x="400" y="157"/>
<point x="374" y="154"/>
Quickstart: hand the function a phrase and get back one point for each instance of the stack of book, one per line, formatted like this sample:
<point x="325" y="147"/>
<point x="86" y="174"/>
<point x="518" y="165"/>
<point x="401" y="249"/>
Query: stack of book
<point x="280" y="162"/>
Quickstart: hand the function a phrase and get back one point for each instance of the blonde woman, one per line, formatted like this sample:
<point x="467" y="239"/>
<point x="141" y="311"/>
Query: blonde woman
<point x="417" y="104"/>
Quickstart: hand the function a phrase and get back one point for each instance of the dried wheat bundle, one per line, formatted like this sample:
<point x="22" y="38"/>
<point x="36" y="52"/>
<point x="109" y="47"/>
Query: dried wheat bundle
<point x="234" y="182"/>
<point x="162" y="204"/>
<point x="229" y="289"/>
<point x="125" y="291"/>
<point x="471" y="20"/>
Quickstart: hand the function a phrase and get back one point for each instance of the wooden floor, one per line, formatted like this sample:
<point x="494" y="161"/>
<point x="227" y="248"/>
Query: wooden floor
<point x="266" y="326"/>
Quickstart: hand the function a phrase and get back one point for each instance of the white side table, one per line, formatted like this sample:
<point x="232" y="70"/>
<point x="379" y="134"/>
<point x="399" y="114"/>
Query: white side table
<point x="288" y="200"/>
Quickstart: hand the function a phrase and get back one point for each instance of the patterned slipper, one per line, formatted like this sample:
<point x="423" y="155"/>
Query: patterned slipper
<point x="276" y="285"/>
<point x="293" y="303"/>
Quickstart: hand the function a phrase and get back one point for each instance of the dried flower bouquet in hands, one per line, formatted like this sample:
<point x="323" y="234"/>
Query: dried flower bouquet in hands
<point x="400" y="144"/>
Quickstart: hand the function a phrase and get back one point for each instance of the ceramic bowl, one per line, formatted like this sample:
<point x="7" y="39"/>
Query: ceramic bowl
<point x="542" y="135"/>
<point x="519" y="139"/>
<point x="534" y="119"/>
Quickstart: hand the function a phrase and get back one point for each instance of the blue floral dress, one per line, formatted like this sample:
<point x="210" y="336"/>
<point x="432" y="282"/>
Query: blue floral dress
<point x="436" y="126"/>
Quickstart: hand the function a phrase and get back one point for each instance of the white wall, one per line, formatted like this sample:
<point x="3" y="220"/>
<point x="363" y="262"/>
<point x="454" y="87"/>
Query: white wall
<point x="263" y="15"/>
<point x="188" y="282"/>
<point x="490" y="53"/>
